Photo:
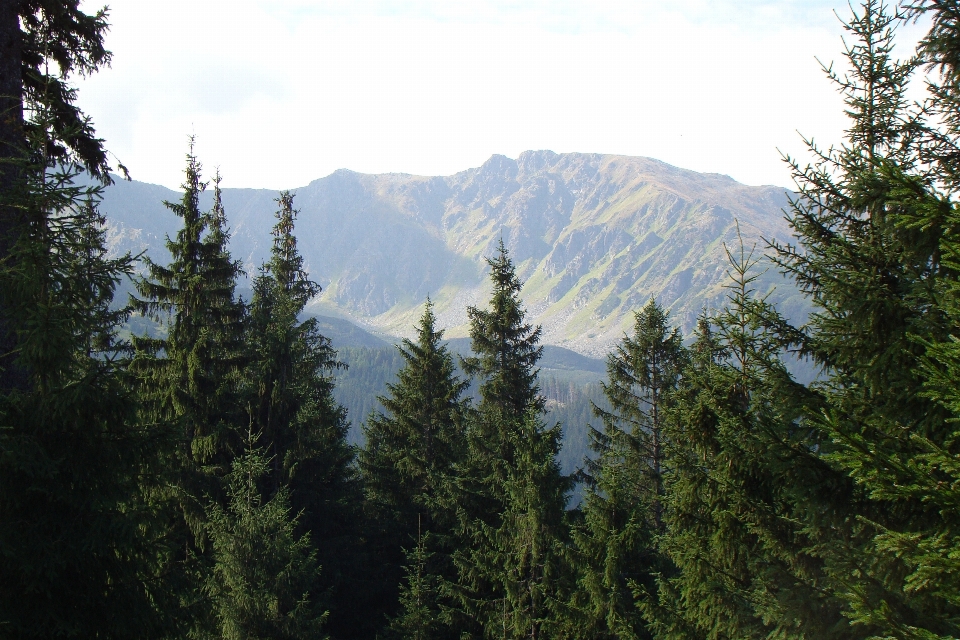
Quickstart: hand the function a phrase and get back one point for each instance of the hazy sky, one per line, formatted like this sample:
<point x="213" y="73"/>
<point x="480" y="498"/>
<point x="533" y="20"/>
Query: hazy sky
<point x="281" y="92"/>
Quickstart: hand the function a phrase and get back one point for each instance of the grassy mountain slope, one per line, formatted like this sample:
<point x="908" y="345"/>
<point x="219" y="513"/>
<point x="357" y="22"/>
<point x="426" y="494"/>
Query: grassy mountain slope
<point x="594" y="237"/>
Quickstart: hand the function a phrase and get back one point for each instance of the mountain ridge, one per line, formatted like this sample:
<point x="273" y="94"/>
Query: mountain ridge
<point x="593" y="236"/>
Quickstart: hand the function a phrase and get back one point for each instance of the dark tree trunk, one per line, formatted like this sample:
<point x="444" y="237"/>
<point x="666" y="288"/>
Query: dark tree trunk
<point x="11" y="85"/>
<point x="11" y="147"/>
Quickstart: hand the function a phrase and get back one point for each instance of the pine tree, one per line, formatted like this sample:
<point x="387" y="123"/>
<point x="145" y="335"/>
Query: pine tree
<point x="419" y="617"/>
<point x="188" y="384"/>
<point x="747" y="491"/>
<point x="78" y="547"/>
<point x="623" y="510"/>
<point x="875" y="224"/>
<point x="509" y="491"/>
<point x="411" y="452"/>
<point x="42" y="43"/>
<point x="264" y="575"/>
<point x="190" y="376"/>
<point x="290" y="386"/>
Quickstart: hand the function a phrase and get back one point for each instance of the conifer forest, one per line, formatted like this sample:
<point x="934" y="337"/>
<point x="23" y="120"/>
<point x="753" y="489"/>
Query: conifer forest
<point x="196" y="481"/>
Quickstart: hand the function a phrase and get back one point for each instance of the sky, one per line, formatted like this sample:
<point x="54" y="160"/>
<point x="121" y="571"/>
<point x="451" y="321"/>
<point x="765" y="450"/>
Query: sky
<point x="281" y="92"/>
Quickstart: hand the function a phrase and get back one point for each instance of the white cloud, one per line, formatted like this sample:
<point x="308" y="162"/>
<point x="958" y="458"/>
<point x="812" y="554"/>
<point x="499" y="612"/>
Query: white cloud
<point x="280" y="93"/>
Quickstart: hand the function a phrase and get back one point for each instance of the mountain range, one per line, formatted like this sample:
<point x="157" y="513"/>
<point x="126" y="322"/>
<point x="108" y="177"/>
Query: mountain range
<point x="594" y="237"/>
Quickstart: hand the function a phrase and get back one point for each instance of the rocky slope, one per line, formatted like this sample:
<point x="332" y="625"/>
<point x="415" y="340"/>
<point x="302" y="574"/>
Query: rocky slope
<point x="594" y="237"/>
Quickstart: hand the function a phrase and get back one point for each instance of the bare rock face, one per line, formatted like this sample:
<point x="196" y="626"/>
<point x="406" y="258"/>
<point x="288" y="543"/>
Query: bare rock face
<point x="594" y="237"/>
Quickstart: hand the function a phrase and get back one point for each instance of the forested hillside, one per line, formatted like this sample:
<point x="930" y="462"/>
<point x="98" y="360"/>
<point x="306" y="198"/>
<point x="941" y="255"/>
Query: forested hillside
<point x="187" y="451"/>
<point x="570" y="392"/>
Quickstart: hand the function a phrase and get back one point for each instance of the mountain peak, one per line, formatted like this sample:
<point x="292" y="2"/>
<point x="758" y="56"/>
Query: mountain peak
<point x="594" y="237"/>
<point x="536" y="161"/>
<point x="499" y="165"/>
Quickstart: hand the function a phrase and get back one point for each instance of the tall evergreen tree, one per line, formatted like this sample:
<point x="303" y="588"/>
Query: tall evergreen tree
<point x="506" y="349"/>
<point x="77" y="545"/>
<point x="264" y="573"/>
<point x="190" y="375"/>
<point x="413" y="445"/>
<point x="623" y="510"/>
<point x="821" y="512"/>
<point x="926" y="555"/>
<point x="747" y="490"/>
<point x="292" y="364"/>
<point x="875" y="223"/>
<point x="411" y="451"/>
<point x="509" y="491"/>
<point x="188" y="384"/>
<point x="290" y="384"/>
<point x="42" y="43"/>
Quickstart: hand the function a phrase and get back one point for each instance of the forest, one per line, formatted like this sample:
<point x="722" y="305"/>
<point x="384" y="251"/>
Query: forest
<point x="196" y="482"/>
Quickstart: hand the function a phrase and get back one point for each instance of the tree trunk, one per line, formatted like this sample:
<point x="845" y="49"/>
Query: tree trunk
<point x="11" y="148"/>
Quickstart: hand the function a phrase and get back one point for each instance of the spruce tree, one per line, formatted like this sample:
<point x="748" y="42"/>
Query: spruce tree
<point x="265" y="575"/>
<point x="188" y="384"/>
<point x="875" y="224"/>
<point x="506" y="349"/>
<point x="926" y="557"/>
<point x="78" y="545"/>
<point x="821" y="511"/>
<point x="509" y="491"/>
<point x="419" y="617"/>
<point x="292" y="364"/>
<point x="616" y="545"/>
<point x="190" y="375"/>
<point x="747" y="494"/>
<point x="411" y="451"/>
<point x="524" y="553"/>
<point x="289" y="382"/>
<point x="42" y="44"/>
<point x="412" y="446"/>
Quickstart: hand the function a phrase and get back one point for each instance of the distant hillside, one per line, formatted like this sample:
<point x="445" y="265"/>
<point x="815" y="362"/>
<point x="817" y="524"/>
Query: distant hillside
<point x="594" y="237"/>
<point x="343" y="333"/>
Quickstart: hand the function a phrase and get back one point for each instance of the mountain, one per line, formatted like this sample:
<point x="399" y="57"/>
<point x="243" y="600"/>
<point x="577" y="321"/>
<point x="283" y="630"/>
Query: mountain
<point x="594" y="237"/>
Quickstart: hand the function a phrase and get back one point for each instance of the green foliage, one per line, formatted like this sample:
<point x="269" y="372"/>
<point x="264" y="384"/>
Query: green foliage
<point x="78" y="545"/>
<point x="190" y="377"/>
<point x="876" y="225"/>
<point x="188" y="385"/>
<point x="509" y="492"/>
<point x="264" y="575"/>
<point x="291" y="364"/>
<point x="747" y="493"/>
<point x="289" y="382"/>
<point x="616" y="546"/>
<point x="506" y="349"/>
<point x="411" y="450"/>
<point x="419" y="617"/>
<point x="723" y="498"/>
<point x="43" y="42"/>
<point x="58" y="39"/>
<point x="412" y="447"/>
<point x="509" y="564"/>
